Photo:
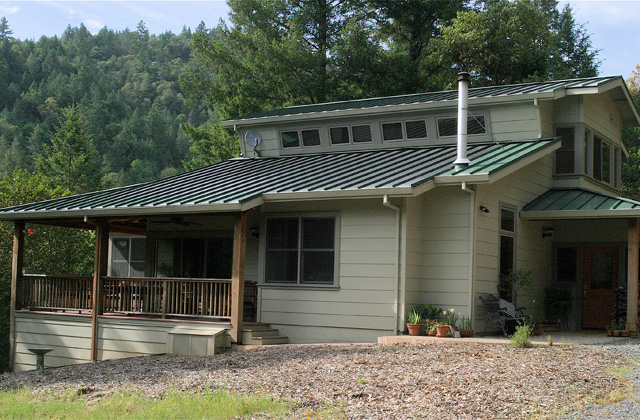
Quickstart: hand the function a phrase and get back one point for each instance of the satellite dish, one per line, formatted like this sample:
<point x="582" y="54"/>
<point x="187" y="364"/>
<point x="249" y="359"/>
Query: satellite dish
<point x="252" y="138"/>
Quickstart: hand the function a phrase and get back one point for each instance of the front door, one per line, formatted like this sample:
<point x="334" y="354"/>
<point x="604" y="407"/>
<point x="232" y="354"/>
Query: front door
<point x="600" y="283"/>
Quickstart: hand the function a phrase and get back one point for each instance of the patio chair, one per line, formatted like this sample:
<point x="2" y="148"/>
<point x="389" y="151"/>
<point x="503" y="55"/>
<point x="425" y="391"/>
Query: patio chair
<point x="498" y="311"/>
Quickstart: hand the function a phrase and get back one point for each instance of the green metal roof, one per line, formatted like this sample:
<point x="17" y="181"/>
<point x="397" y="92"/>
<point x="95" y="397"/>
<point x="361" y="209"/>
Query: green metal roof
<point x="451" y="95"/>
<point x="240" y="184"/>
<point x="579" y="203"/>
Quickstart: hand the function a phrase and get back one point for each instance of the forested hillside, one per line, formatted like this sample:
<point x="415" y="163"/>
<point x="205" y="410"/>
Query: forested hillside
<point x="125" y="86"/>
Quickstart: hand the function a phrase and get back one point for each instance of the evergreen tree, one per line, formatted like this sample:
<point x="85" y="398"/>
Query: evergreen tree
<point x="5" y="31"/>
<point x="71" y="159"/>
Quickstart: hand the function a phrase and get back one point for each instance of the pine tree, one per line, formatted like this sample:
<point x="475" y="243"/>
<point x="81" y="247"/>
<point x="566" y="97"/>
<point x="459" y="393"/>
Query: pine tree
<point x="71" y="159"/>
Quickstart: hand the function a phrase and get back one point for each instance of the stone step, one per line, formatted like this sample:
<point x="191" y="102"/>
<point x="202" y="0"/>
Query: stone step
<point x="262" y="332"/>
<point x="268" y="341"/>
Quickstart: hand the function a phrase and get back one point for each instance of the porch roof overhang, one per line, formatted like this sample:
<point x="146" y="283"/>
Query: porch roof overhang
<point x="579" y="203"/>
<point x="242" y="184"/>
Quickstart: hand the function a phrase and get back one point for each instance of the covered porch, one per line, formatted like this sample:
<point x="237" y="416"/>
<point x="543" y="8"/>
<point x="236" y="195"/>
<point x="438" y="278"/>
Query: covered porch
<point x="595" y="241"/>
<point x="204" y="306"/>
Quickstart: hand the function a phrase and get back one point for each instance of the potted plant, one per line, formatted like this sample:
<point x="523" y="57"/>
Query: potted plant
<point x="430" y="326"/>
<point x="609" y="328"/>
<point x="624" y="332"/>
<point x="465" y="327"/>
<point x="443" y="330"/>
<point x="413" y="323"/>
<point x="617" y="330"/>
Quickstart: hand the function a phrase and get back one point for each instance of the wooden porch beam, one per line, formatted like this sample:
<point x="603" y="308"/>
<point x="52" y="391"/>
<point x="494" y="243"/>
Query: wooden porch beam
<point x="632" y="274"/>
<point x="17" y="263"/>
<point x="99" y="271"/>
<point x="237" y="279"/>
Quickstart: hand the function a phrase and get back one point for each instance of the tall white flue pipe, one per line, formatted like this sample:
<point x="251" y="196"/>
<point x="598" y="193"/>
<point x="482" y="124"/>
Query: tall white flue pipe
<point x="463" y="99"/>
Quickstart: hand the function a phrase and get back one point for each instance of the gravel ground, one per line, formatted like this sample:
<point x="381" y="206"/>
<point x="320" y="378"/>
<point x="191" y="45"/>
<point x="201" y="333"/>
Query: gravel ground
<point x="627" y="409"/>
<point x="369" y="381"/>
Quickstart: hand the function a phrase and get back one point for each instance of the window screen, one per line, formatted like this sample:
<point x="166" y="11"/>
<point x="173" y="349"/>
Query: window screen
<point x="392" y="131"/>
<point x="416" y="129"/>
<point x="289" y="139"/>
<point x="310" y="138"/>
<point x="447" y="127"/>
<point x="361" y="133"/>
<point x="339" y="135"/>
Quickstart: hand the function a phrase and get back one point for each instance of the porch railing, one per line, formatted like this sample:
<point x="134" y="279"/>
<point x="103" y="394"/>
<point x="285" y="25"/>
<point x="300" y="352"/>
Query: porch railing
<point x="55" y="292"/>
<point x="168" y="296"/>
<point x="143" y="296"/>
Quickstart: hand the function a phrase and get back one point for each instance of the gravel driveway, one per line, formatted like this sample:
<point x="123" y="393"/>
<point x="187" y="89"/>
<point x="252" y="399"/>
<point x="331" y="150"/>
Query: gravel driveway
<point x="368" y="381"/>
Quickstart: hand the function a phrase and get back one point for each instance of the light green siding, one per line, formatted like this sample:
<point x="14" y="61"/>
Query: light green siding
<point x="70" y="337"/>
<point x="532" y="251"/>
<point x="361" y="307"/>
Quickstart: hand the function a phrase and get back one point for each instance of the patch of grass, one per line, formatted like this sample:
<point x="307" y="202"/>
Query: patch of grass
<point x="522" y="337"/>
<point x="209" y="404"/>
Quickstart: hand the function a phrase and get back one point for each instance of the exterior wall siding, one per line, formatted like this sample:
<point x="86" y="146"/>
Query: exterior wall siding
<point x="361" y="307"/>
<point x="532" y="251"/>
<point x="439" y="249"/>
<point x="70" y="338"/>
<point x="515" y="122"/>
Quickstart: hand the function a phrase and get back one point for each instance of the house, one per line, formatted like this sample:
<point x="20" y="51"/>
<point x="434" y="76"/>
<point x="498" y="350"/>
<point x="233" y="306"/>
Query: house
<point x="345" y="215"/>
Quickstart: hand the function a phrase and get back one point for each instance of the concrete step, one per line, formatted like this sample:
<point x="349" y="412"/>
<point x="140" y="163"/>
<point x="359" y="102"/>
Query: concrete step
<point x="256" y="326"/>
<point x="268" y="341"/>
<point x="262" y="332"/>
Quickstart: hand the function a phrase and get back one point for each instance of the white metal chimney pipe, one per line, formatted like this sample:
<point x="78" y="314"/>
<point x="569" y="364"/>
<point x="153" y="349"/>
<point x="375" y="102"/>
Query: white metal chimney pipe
<point x="463" y="99"/>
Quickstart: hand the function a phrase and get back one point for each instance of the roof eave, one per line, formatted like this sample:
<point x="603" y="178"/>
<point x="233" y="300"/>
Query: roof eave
<point x="579" y="214"/>
<point x="358" y="112"/>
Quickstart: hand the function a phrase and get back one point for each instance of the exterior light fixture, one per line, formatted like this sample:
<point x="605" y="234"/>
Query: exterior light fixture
<point x="547" y="231"/>
<point x="484" y="209"/>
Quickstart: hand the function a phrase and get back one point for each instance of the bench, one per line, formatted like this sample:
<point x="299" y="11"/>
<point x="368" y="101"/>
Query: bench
<point x="498" y="311"/>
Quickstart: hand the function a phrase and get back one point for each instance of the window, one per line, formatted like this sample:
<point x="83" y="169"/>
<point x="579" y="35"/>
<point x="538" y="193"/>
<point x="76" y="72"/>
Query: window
<point x="194" y="257"/>
<point x="410" y="130"/>
<point x="606" y="162"/>
<point x="352" y="134"/>
<point x="565" y="156"/>
<point x="587" y="152"/>
<point x="294" y="138"/>
<point x="449" y="126"/>
<point x="566" y="263"/>
<point x="507" y="246"/>
<point x="597" y="158"/>
<point x="127" y="257"/>
<point x="300" y="250"/>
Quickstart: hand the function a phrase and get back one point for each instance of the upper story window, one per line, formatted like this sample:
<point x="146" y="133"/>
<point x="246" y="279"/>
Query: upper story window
<point x="566" y="154"/>
<point x="300" y="250"/>
<point x="350" y="134"/>
<point x="449" y="126"/>
<point x="401" y="130"/>
<point x="295" y="138"/>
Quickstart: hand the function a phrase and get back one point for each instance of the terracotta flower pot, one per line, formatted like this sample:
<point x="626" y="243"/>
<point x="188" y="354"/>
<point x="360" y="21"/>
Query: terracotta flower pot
<point x="609" y="333"/>
<point x="466" y="333"/>
<point x="414" y="329"/>
<point x="616" y="333"/>
<point x="624" y="333"/>
<point x="443" y="331"/>
<point x="432" y="333"/>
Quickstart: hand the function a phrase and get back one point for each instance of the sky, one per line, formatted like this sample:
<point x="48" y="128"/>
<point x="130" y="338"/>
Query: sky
<point x="613" y="25"/>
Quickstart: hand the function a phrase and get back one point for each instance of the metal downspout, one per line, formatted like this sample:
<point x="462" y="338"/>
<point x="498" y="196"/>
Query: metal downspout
<point x="472" y="230"/>
<point x="396" y="302"/>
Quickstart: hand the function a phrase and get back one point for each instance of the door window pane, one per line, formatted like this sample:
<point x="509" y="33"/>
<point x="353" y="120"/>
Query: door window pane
<point x="601" y="271"/>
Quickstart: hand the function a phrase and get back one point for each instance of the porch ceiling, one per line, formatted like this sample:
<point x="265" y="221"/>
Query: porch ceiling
<point x="578" y="203"/>
<point x="242" y="184"/>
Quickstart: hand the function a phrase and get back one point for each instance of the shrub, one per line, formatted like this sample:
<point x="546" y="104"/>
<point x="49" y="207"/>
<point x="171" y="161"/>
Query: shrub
<point x="522" y="337"/>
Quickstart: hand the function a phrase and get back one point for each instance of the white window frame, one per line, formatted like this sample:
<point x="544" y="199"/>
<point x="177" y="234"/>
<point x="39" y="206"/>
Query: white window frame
<point x="403" y="127"/>
<point x="299" y="131"/>
<point x="469" y="117"/>
<point x="349" y="128"/>
<point x="576" y="139"/>
<point x="502" y="232"/>
<point x="130" y="260"/>
<point x="262" y="266"/>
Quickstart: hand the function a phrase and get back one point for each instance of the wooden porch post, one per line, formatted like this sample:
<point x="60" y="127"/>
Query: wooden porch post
<point x="632" y="275"/>
<point x="237" y="280"/>
<point x="17" y="262"/>
<point x="99" y="270"/>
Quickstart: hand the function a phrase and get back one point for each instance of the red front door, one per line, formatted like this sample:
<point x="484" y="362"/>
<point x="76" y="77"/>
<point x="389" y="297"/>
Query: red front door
<point x="600" y="283"/>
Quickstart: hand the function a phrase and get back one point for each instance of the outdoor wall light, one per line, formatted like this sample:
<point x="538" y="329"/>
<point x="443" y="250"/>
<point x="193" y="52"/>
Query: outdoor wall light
<point x="255" y="231"/>
<point x="547" y="231"/>
<point x="484" y="209"/>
